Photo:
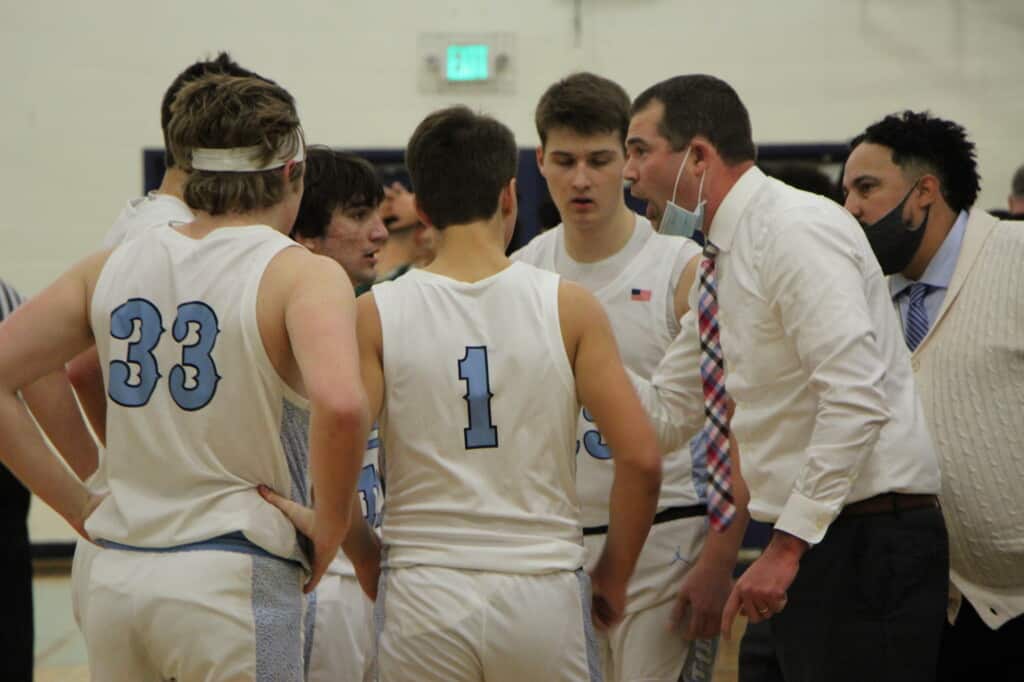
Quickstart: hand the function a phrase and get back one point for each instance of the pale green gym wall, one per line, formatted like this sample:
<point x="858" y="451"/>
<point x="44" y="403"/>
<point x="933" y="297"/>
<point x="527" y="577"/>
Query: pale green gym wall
<point x="82" y="82"/>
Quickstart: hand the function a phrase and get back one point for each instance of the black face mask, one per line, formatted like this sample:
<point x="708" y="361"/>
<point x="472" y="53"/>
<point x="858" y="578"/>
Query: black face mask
<point x="893" y="240"/>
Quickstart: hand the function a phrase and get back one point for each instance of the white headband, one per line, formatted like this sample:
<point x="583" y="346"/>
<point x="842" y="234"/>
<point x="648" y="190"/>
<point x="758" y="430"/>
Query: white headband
<point x="243" y="159"/>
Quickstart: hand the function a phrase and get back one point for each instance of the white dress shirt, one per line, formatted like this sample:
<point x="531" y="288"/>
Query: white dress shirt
<point x="826" y="409"/>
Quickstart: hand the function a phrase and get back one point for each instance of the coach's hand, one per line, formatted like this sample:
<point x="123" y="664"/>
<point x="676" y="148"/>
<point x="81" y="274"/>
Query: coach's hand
<point x="760" y="592"/>
<point x="701" y="600"/>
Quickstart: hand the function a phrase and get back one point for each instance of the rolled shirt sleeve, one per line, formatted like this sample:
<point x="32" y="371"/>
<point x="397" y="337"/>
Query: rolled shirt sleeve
<point x="811" y="274"/>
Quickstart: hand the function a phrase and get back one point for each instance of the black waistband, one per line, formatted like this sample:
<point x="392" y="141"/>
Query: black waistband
<point x="664" y="516"/>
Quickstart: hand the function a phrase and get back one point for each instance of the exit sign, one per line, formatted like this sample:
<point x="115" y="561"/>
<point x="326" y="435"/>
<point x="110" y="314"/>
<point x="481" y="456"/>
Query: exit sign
<point x="467" y="63"/>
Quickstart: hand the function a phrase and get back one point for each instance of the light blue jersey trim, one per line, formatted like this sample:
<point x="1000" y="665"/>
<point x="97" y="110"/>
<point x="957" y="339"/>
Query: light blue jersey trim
<point x="378" y="623"/>
<point x="309" y="632"/>
<point x="700" y="661"/>
<point x="593" y="659"/>
<point x="295" y="443"/>
<point x="231" y="542"/>
<point x="277" y="602"/>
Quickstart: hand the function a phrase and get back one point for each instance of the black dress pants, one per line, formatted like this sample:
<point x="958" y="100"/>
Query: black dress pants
<point x="868" y="604"/>
<point x="972" y="650"/>
<point x="16" y="623"/>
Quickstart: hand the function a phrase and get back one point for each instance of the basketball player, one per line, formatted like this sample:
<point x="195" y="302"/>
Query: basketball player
<point x="210" y="334"/>
<point x="482" y="574"/>
<point x="642" y="279"/>
<point x="160" y="207"/>
<point x="339" y="217"/>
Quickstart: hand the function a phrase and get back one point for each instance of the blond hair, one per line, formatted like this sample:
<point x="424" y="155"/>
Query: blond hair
<point x="221" y="112"/>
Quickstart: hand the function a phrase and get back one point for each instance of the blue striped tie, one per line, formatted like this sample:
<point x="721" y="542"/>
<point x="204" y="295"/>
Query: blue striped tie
<point x="916" y="326"/>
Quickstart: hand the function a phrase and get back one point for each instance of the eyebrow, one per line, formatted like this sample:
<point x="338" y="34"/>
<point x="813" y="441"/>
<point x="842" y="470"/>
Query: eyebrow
<point x="862" y="178"/>
<point x="635" y="141"/>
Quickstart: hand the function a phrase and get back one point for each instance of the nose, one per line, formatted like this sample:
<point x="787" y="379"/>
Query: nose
<point x="378" y="233"/>
<point x="853" y="205"/>
<point x="629" y="170"/>
<point x="580" y="178"/>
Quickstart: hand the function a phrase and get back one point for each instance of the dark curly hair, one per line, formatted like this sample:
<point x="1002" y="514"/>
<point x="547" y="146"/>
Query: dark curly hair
<point x="334" y="180"/>
<point x="918" y="138"/>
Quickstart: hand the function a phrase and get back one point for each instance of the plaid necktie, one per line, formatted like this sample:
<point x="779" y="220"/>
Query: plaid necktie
<point x="715" y="434"/>
<point x="916" y="326"/>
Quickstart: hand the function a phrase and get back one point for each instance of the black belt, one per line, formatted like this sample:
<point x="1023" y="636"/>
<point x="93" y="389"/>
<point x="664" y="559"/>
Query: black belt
<point x="889" y="503"/>
<point x="664" y="516"/>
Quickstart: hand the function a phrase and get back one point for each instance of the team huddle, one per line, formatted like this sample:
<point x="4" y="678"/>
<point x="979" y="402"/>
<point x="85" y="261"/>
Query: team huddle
<point x="417" y="483"/>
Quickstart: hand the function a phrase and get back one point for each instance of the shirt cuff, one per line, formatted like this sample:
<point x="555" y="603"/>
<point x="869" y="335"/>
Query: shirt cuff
<point x="805" y="518"/>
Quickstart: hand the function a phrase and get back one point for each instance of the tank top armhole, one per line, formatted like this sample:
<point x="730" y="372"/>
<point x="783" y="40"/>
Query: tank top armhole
<point x="683" y="258"/>
<point x="251" y="326"/>
<point x="559" y="354"/>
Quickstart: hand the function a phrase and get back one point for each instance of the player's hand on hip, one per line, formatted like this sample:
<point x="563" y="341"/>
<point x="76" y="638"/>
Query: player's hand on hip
<point x="608" y="595"/>
<point x="300" y="516"/>
<point x="368" y="575"/>
<point x="78" y="521"/>
<point x="760" y="593"/>
<point x="701" y="600"/>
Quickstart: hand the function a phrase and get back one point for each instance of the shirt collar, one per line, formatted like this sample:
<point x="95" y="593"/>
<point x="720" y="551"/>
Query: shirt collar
<point x="939" y="272"/>
<point x="727" y="217"/>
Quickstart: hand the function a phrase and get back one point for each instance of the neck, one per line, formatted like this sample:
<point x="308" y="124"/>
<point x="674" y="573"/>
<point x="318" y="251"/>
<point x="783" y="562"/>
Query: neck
<point x="472" y="251"/>
<point x="205" y="223"/>
<point x="941" y="219"/>
<point x="398" y="250"/>
<point x="173" y="183"/>
<point x="717" y="186"/>
<point x="590" y="244"/>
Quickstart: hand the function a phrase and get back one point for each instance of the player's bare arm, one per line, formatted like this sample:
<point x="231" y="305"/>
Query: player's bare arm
<point x="319" y="316"/>
<point x="53" y="405"/>
<point x="86" y="376"/>
<point x="603" y="387"/>
<point x="36" y="341"/>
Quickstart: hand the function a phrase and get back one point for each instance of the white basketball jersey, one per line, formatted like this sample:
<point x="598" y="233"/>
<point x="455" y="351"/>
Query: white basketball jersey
<point x="197" y="416"/>
<point x="478" y="425"/>
<point x="144" y="213"/>
<point x="636" y="298"/>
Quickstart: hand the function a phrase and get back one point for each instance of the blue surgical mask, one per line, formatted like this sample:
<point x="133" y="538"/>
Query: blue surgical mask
<point x="677" y="220"/>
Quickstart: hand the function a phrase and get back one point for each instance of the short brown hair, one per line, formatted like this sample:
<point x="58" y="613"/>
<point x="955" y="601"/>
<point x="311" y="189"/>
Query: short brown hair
<point x="459" y="162"/>
<point x="584" y="103"/>
<point x="698" y="104"/>
<point x="221" y="112"/>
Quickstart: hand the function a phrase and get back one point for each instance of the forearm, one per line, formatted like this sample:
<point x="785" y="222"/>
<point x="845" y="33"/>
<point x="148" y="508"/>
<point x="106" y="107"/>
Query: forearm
<point x="86" y="377"/>
<point x="337" y="443"/>
<point x="846" y="432"/>
<point x="674" y="418"/>
<point x="633" y="503"/>
<point x="25" y="453"/>
<point x="54" y="407"/>
<point x="361" y="544"/>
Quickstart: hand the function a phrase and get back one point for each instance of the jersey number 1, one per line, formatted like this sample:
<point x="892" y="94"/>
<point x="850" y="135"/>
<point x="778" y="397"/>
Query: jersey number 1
<point x="481" y="433"/>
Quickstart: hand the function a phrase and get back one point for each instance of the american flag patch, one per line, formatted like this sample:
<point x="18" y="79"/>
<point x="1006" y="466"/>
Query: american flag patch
<point x="640" y="295"/>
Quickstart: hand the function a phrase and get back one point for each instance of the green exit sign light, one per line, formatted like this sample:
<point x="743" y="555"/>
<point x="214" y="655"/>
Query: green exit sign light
<point x="467" y="63"/>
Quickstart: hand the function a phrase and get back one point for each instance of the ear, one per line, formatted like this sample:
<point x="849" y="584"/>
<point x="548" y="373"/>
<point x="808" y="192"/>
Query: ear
<point x="702" y="152"/>
<point x="540" y="160"/>
<point x="423" y="217"/>
<point x="508" y="201"/>
<point x="930" y="190"/>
